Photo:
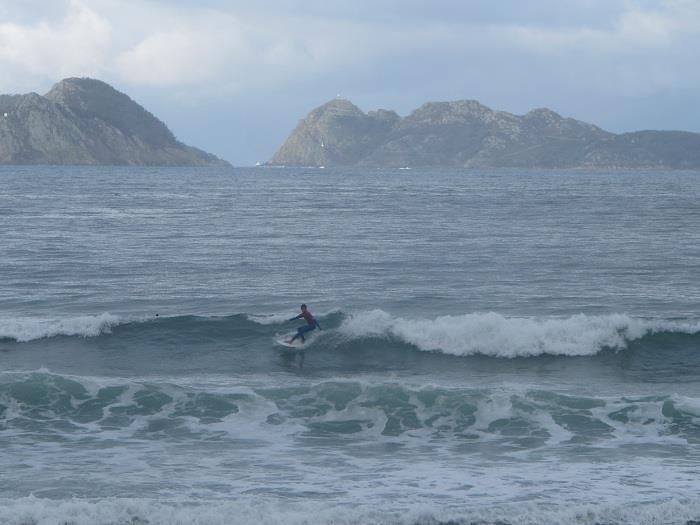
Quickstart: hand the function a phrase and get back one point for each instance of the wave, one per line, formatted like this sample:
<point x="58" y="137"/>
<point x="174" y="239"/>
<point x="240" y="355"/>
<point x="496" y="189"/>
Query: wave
<point x="488" y="334"/>
<point x="129" y="431"/>
<point x="24" y="329"/>
<point x="495" y="335"/>
<point x="46" y="405"/>
<point x="258" y="509"/>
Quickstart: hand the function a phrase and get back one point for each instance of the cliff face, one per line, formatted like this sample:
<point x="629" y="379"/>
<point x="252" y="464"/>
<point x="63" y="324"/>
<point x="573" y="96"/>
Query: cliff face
<point x="335" y="134"/>
<point x="85" y="121"/>
<point x="468" y="134"/>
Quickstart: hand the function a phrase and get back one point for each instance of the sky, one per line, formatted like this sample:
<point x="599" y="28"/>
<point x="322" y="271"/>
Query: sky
<point x="234" y="77"/>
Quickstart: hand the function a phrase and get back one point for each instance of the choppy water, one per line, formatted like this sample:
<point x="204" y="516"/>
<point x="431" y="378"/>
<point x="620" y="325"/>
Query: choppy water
<point x="497" y="347"/>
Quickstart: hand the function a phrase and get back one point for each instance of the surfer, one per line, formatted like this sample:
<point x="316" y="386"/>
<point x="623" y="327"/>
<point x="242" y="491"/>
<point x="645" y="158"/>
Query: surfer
<point x="311" y="324"/>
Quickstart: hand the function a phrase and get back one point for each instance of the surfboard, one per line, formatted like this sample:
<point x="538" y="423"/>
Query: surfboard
<point x="296" y="344"/>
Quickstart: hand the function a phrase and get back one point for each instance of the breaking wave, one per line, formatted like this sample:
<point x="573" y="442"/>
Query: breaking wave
<point x="23" y="329"/>
<point x="495" y="335"/>
<point x="488" y="334"/>
<point x="46" y="405"/>
<point x="244" y="511"/>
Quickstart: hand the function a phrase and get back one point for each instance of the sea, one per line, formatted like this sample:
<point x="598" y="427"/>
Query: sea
<point x="497" y="347"/>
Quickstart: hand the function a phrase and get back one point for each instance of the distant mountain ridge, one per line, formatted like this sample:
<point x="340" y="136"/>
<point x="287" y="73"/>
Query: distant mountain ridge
<point x="86" y="121"/>
<point x="466" y="133"/>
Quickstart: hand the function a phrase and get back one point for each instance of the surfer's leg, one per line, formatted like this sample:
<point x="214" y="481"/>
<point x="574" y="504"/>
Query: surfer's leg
<point x="301" y="331"/>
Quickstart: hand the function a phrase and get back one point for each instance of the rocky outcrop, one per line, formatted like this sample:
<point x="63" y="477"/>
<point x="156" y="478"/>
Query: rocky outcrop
<point x="469" y="134"/>
<point x="337" y="133"/>
<point x="85" y="121"/>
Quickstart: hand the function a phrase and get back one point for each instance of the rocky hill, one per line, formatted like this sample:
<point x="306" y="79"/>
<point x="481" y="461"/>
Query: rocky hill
<point x="85" y="121"/>
<point x="468" y="134"/>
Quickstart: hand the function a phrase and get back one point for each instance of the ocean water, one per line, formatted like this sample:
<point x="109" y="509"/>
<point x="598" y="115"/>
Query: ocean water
<point x="511" y="347"/>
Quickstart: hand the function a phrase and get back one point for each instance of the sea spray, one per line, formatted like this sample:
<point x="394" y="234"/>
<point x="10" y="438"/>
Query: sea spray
<point x="23" y="329"/>
<point x="495" y="335"/>
<point x="73" y="407"/>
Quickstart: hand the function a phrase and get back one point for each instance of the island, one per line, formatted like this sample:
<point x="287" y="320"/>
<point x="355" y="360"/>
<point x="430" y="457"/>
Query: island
<point x="467" y="134"/>
<point x="84" y="121"/>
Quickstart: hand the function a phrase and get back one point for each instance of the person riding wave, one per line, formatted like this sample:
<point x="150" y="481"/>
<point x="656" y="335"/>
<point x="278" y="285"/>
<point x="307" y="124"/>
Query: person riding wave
<point x="311" y="324"/>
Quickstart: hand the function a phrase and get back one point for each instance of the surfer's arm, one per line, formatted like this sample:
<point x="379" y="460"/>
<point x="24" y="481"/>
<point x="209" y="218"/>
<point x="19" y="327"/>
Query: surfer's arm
<point x="295" y="318"/>
<point x="317" y="325"/>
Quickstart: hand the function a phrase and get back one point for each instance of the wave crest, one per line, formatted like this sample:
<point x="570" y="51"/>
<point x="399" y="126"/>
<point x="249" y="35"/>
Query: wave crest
<point x="119" y="408"/>
<point x="23" y="329"/>
<point x="494" y="335"/>
<point x="489" y="334"/>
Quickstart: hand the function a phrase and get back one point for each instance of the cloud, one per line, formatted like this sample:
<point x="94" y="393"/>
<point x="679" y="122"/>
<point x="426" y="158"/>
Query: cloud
<point x="239" y="47"/>
<point x="269" y="61"/>
<point x="176" y="57"/>
<point x="244" y="52"/>
<point x="78" y="42"/>
<point x="635" y="31"/>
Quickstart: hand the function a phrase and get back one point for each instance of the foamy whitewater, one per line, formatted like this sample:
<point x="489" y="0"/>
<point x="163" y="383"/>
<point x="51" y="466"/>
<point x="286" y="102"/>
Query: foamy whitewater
<point x="498" y="347"/>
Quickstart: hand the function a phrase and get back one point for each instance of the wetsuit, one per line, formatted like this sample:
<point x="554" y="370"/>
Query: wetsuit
<point x="311" y="324"/>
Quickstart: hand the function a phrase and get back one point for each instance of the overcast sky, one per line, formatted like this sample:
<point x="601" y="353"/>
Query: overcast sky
<point x="234" y="77"/>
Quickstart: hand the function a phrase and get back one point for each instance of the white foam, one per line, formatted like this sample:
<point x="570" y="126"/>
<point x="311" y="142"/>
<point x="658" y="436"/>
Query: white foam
<point x="495" y="335"/>
<point x="432" y="480"/>
<point x="492" y="408"/>
<point x="266" y="511"/>
<point x="689" y="405"/>
<point x="23" y="329"/>
<point x="644" y="423"/>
